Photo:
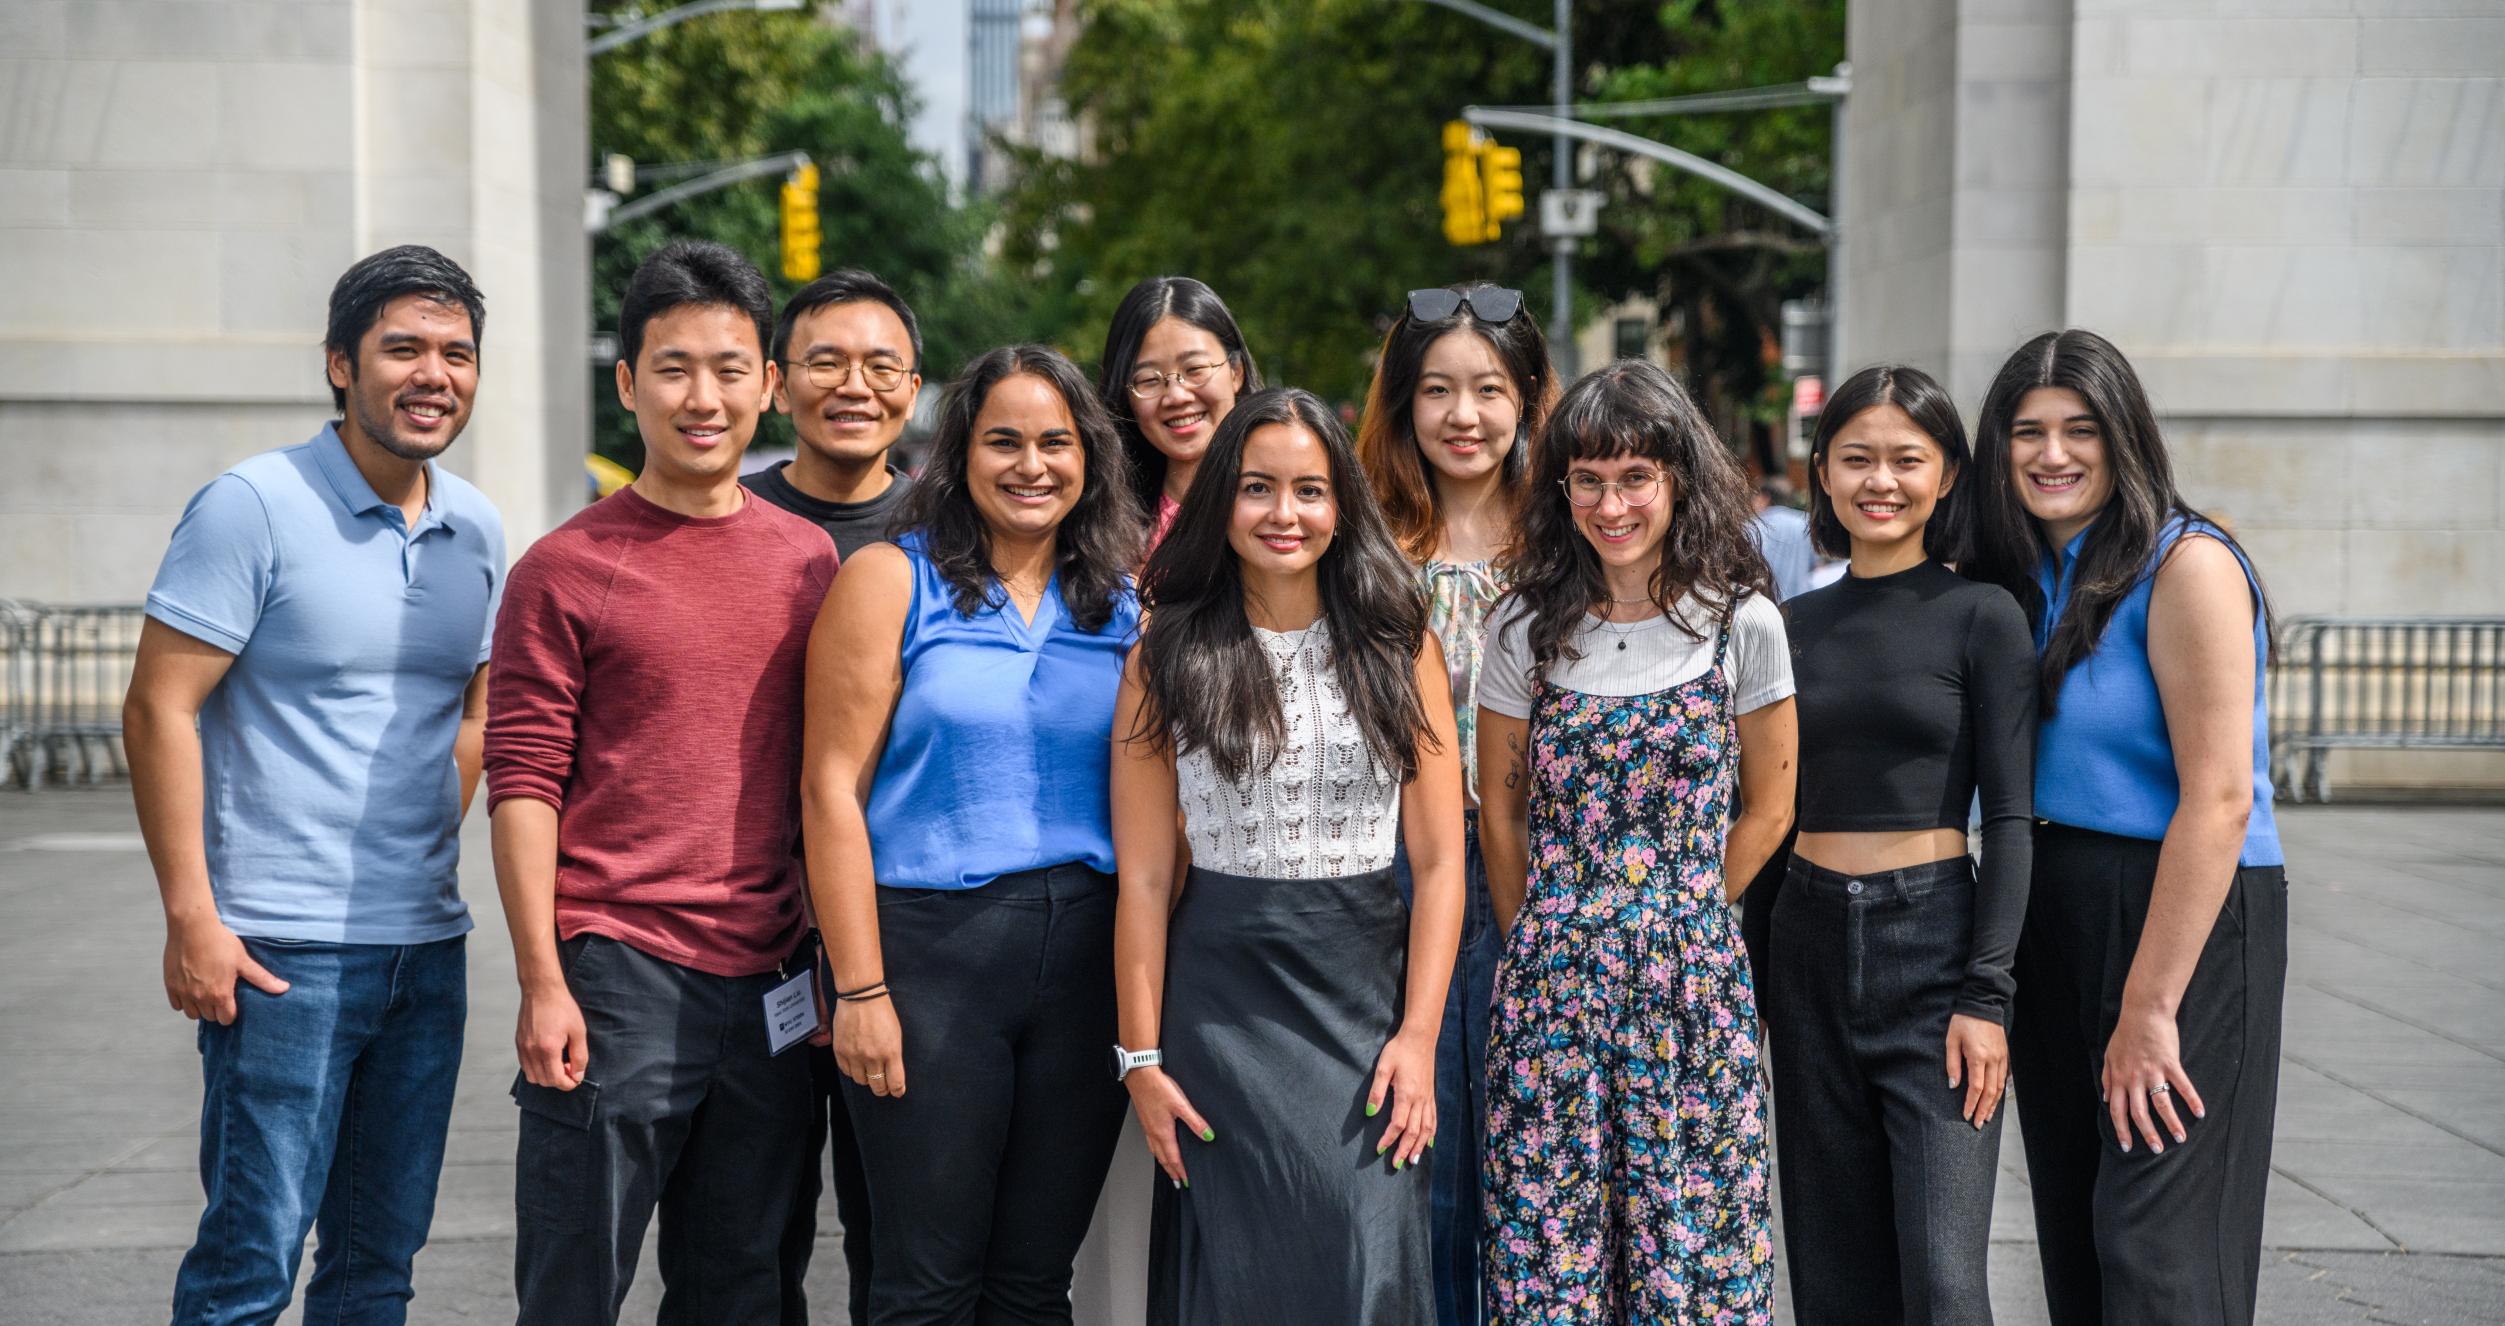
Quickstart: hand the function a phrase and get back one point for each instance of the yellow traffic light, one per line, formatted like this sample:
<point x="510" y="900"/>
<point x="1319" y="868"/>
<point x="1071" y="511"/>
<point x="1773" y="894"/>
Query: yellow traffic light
<point x="1501" y="170"/>
<point x="800" y="224"/>
<point x="1465" y="212"/>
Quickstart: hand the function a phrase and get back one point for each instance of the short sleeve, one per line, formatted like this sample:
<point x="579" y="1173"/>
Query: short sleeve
<point x="1761" y="655"/>
<point x="1505" y="661"/>
<point x="217" y="571"/>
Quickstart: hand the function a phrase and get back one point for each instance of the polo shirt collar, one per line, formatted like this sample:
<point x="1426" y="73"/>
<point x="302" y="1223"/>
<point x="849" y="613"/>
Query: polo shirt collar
<point x="330" y="452"/>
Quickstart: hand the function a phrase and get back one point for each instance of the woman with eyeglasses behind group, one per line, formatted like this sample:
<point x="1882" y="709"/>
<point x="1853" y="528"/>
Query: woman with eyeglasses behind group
<point x="1174" y="364"/>
<point x="1636" y="677"/>
<point x="1460" y="389"/>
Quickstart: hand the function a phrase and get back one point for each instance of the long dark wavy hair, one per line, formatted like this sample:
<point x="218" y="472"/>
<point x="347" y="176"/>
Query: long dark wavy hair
<point x="1387" y="440"/>
<point x="1633" y="408"/>
<point x="1097" y="543"/>
<point x="2120" y="546"/>
<point x="1925" y="402"/>
<point x="1203" y="667"/>
<point x="1150" y="302"/>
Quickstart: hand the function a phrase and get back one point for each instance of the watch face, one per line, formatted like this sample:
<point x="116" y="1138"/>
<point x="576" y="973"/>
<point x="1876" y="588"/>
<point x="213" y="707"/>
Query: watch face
<point x="1121" y="1063"/>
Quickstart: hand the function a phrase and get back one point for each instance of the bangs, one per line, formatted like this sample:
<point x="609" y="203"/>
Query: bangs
<point x="1587" y="428"/>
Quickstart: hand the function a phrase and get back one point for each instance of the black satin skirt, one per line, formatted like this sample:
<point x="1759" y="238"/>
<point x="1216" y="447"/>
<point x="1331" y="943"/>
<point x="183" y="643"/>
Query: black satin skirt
<point x="1280" y="995"/>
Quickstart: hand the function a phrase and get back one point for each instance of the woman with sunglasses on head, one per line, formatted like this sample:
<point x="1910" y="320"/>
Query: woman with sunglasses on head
<point x="959" y="832"/>
<point x="1284" y="1010"/>
<point x="1635" y="679"/>
<point x="1174" y="365"/>
<point x="1460" y="389"/>
<point x="2154" y="954"/>
<point x="1889" y="984"/>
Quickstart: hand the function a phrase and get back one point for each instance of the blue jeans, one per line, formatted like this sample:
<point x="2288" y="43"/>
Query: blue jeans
<point x="327" y="1103"/>
<point x="1461" y="1090"/>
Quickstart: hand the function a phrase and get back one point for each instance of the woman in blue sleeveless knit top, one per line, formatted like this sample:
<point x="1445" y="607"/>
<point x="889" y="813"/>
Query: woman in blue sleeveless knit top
<point x="2154" y="952"/>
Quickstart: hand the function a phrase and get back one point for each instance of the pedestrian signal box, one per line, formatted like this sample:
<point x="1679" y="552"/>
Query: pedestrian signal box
<point x="800" y="224"/>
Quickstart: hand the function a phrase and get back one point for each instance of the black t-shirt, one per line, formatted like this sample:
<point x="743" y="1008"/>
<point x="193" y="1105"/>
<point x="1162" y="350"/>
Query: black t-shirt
<point x="853" y="525"/>
<point x="1917" y="692"/>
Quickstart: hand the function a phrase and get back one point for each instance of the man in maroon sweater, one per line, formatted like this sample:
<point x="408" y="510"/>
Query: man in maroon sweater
<point x="643" y="748"/>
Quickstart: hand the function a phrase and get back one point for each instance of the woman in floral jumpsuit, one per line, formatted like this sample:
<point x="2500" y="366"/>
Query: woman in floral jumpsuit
<point x="1635" y="679"/>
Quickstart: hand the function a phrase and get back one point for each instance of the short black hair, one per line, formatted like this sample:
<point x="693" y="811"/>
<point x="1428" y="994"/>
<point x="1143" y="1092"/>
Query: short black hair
<point x="692" y="271"/>
<point x="848" y="285"/>
<point x="368" y="287"/>
<point x="1925" y="402"/>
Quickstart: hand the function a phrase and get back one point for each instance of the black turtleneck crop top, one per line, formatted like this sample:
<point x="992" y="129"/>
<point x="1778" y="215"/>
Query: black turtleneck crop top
<point x="1917" y="692"/>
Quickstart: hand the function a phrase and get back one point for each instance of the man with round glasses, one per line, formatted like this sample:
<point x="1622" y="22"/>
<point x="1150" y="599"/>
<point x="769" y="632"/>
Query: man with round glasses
<point x="851" y="354"/>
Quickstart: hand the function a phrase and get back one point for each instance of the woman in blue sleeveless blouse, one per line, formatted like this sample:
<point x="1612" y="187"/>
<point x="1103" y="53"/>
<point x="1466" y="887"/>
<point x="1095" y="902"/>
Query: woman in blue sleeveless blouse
<point x="2154" y="954"/>
<point x="960" y="842"/>
<point x="1635" y="676"/>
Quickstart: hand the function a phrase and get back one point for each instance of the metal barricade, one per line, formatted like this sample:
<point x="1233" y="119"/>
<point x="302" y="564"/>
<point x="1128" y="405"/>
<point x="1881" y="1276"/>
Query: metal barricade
<point x="2383" y="683"/>
<point x="61" y="690"/>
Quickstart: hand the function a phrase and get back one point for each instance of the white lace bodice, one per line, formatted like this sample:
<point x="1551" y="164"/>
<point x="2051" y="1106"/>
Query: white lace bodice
<point x="1323" y="809"/>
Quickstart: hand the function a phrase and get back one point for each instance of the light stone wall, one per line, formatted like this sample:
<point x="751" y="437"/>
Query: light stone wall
<point x="180" y="184"/>
<point x="2290" y="213"/>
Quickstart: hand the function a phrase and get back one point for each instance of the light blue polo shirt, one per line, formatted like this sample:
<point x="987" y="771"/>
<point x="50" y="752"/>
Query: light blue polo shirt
<point x="332" y="802"/>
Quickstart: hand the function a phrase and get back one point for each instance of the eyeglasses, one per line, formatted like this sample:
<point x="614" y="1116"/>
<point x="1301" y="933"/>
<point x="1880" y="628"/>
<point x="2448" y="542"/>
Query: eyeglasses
<point x="1488" y="303"/>
<point x="832" y="371"/>
<point x="1193" y="376"/>
<point x="1635" y="487"/>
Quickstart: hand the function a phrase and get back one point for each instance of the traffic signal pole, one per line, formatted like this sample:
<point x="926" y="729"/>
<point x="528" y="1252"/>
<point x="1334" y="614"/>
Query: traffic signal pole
<point x="1561" y="343"/>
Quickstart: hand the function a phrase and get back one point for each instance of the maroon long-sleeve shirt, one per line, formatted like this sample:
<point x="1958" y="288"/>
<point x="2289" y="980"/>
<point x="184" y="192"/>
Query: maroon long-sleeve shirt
<point x="646" y="682"/>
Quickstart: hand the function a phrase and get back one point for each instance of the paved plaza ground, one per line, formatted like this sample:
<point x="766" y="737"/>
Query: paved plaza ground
<point x="2387" y="1206"/>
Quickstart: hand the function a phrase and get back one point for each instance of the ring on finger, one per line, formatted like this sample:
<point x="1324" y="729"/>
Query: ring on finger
<point x="2161" y="1089"/>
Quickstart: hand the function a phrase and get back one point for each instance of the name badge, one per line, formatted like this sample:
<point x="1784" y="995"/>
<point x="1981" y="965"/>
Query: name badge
<point x="791" y="1011"/>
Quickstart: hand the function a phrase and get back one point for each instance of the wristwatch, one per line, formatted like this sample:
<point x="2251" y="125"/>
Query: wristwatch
<point x="1126" y="1060"/>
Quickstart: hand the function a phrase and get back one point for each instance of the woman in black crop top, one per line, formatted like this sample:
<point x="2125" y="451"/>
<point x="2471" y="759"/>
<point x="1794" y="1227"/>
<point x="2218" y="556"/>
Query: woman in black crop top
<point x="1889" y="978"/>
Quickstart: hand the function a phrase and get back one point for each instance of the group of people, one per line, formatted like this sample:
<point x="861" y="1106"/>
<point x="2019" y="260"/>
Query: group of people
<point x="1361" y="817"/>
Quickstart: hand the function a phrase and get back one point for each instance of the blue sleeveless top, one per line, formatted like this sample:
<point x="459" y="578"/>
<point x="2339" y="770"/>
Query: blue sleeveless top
<point x="2105" y="762"/>
<point x="1000" y="753"/>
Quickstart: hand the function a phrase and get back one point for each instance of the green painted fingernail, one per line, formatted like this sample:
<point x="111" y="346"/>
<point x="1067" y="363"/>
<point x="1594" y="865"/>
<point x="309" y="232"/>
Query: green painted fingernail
<point x="1383" y="1146"/>
<point x="1371" y="1108"/>
<point x="1187" y="1183"/>
<point x="1208" y="1134"/>
<point x="1398" y="1163"/>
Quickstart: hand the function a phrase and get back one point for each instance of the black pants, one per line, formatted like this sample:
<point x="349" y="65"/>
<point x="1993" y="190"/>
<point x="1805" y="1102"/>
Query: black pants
<point x="682" y="1108"/>
<point x="2171" y="1237"/>
<point x="830" y="1135"/>
<point x="985" y="1172"/>
<point x="1887" y="1190"/>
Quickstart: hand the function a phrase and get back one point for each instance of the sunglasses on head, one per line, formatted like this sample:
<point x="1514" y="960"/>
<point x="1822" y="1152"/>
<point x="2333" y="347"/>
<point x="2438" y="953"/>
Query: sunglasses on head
<point x="1487" y="304"/>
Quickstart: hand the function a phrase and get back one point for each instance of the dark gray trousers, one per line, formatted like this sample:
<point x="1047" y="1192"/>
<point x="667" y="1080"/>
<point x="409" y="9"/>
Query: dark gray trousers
<point x="2141" y="1236"/>
<point x="682" y="1108"/>
<point x="984" y="1174"/>
<point x="1887" y="1191"/>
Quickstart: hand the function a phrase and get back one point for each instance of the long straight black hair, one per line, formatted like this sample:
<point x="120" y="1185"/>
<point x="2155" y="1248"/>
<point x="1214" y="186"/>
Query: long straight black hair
<point x="1207" y="677"/>
<point x="1097" y="543"/>
<point x="1150" y="302"/>
<point x="2122" y="545"/>
<point x="1633" y="408"/>
<point x="1925" y="402"/>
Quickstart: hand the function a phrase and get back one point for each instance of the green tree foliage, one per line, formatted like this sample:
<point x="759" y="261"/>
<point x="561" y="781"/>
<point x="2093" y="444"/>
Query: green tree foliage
<point x="1288" y="152"/>
<point x="734" y="86"/>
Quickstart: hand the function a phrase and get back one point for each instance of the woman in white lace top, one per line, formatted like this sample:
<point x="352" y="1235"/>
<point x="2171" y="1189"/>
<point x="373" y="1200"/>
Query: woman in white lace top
<point x="1288" y="701"/>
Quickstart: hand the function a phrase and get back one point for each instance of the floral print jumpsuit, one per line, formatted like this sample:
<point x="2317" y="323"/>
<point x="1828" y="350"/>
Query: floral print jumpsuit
<point x="1626" y="1145"/>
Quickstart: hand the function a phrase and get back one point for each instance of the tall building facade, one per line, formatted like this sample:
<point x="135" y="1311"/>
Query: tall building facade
<point x="2291" y="215"/>
<point x="179" y="187"/>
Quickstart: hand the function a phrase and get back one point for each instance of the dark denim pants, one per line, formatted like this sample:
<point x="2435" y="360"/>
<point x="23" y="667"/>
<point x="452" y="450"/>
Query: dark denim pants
<point x="682" y="1109"/>
<point x="2141" y="1236"/>
<point x="984" y="1174"/>
<point x="1887" y="1191"/>
<point x="830" y="1136"/>
<point x="1461" y="1089"/>
<point x="324" y="1107"/>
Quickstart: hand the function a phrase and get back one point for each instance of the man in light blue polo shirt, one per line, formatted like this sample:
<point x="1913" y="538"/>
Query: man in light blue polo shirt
<point x="304" y="727"/>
